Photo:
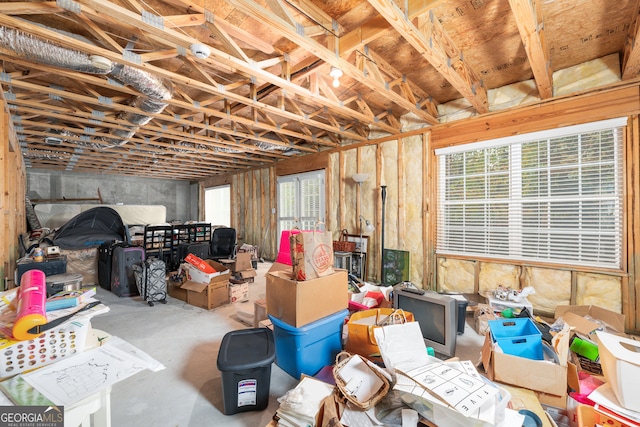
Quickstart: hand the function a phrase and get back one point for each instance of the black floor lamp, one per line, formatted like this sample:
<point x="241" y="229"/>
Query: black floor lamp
<point x="384" y="202"/>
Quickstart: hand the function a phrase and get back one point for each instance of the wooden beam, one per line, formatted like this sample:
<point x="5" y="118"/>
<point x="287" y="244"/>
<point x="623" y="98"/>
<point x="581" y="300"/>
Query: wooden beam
<point x="257" y="12"/>
<point x="528" y="15"/>
<point x="435" y="45"/>
<point x="631" y="54"/>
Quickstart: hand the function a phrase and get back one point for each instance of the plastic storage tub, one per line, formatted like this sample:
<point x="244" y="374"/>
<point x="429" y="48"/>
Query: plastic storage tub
<point x="500" y="305"/>
<point x="517" y="337"/>
<point x="244" y="361"/>
<point x="308" y="349"/>
<point x="620" y="360"/>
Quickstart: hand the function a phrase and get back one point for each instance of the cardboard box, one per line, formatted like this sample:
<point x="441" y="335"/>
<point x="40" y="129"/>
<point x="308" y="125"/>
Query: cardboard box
<point x="173" y="287"/>
<point x="195" y="275"/>
<point x="299" y="303"/>
<point x="536" y="375"/>
<point x="259" y="311"/>
<point x="246" y="275"/>
<point x="238" y="292"/>
<point x="177" y="292"/>
<point x="241" y="262"/>
<point x="574" y="315"/>
<point x="208" y="296"/>
<point x="211" y="294"/>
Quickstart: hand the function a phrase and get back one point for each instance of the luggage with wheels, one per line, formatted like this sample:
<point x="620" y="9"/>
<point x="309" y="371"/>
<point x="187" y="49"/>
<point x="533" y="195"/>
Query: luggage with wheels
<point x="123" y="282"/>
<point x="151" y="280"/>
<point x="105" y="254"/>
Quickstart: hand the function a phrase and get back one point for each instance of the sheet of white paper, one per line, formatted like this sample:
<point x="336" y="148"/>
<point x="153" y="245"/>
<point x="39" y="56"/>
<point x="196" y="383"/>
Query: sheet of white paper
<point x="73" y="379"/>
<point x="458" y="389"/>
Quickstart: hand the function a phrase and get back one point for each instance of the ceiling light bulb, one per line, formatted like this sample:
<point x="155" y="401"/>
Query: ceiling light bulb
<point x="336" y="83"/>
<point x="336" y="73"/>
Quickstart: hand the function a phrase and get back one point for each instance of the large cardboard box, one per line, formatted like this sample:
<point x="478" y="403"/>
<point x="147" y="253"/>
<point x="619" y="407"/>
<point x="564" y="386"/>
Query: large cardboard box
<point x="537" y="375"/>
<point x="174" y="287"/>
<point x="579" y="317"/>
<point x="299" y="303"/>
<point x="207" y="296"/>
<point x="212" y="294"/>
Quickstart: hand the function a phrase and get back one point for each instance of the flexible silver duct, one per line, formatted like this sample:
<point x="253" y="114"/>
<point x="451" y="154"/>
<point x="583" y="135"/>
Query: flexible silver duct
<point x="155" y="89"/>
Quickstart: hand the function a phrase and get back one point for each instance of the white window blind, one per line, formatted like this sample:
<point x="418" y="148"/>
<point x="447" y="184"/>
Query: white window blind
<point x="552" y="196"/>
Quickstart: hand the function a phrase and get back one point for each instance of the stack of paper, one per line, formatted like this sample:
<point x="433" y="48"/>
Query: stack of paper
<point x="299" y="406"/>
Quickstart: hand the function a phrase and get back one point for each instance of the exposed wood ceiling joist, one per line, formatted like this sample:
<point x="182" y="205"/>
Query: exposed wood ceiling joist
<point x="264" y="91"/>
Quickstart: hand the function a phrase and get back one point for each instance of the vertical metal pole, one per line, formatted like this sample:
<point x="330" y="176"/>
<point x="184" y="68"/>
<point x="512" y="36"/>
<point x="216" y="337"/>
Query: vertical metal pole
<point x="384" y="201"/>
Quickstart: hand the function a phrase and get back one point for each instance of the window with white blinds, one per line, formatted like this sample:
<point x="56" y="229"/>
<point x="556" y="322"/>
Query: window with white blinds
<point x="552" y="196"/>
<point x="301" y="201"/>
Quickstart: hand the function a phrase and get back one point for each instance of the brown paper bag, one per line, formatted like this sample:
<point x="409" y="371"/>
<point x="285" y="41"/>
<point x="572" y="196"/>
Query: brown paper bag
<point x="311" y="254"/>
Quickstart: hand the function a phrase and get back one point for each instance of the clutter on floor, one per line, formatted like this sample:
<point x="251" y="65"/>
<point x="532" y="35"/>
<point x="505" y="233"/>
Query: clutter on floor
<point x="364" y="354"/>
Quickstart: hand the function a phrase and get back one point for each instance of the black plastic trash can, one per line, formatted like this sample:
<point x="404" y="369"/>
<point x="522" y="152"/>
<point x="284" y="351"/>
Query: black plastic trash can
<point x="244" y="361"/>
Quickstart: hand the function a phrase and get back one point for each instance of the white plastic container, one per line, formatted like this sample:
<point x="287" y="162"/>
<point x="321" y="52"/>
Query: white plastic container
<point x="620" y="360"/>
<point x="498" y="305"/>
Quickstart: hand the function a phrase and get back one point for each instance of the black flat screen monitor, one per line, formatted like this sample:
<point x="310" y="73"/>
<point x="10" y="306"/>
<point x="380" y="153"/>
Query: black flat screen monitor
<point x="436" y="315"/>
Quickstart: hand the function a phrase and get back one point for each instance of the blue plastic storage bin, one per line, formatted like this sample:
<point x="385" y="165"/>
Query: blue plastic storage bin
<point x="517" y="337"/>
<point x="308" y="349"/>
<point x="507" y="328"/>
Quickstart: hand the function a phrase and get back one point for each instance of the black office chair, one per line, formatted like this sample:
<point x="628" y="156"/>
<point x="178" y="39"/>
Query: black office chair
<point x="223" y="243"/>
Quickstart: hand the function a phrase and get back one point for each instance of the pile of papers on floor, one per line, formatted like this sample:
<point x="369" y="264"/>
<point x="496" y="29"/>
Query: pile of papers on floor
<point x="450" y="393"/>
<point x="299" y="407"/>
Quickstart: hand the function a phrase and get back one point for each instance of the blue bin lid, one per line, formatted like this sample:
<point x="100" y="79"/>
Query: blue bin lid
<point x="246" y="349"/>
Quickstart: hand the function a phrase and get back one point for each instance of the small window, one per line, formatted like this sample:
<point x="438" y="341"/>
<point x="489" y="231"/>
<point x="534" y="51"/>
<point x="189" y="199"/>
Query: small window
<point x="301" y="201"/>
<point x="217" y="205"/>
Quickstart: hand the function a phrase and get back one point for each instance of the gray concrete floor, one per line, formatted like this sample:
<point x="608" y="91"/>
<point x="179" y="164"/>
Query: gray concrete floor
<point x="186" y="339"/>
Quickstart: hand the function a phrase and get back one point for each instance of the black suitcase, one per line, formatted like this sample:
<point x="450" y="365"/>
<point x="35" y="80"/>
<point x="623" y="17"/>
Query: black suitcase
<point x="151" y="280"/>
<point x="105" y="254"/>
<point x="123" y="282"/>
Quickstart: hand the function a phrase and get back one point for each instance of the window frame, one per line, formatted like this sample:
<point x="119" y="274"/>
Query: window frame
<point x="297" y="218"/>
<point x="515" y="175"/>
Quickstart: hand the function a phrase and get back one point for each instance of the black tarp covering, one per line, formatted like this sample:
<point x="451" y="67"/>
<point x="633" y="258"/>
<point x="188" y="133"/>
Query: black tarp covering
<point x="91" y="228"/>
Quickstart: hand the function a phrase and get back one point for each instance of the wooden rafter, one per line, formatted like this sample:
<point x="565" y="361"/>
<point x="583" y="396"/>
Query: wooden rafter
<point x="528" y="15"/>
<point x="259" y="13"/>
<point x="631" y="54"/>
<point x="434" y="44"/>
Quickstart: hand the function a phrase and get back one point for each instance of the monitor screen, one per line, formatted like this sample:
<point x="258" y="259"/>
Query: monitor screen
<point x="436" y="315"/>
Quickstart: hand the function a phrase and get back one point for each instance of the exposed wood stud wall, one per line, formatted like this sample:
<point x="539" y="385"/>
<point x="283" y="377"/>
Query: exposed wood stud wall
<point x="402" y="182"/>
<point x="341" y="191"/>
<point x="427" y="266"/>
<point x="12" y="198"/>
<point x="376" y="254"/>
<point x="631" y="285"/>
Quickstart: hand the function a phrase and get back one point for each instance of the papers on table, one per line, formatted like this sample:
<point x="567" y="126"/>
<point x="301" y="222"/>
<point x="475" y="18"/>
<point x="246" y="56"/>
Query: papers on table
<point x="73" y="379"/>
